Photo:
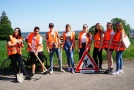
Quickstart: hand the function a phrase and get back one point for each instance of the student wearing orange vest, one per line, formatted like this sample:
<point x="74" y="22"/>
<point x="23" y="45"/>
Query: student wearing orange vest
<point x="84" y="41"/>
<point x="119" y="48"/>
<point x="35" y="46"/>
<point x="14" y="46"/>
<point x="98" y="44"/>
<point x="52" y="43"/>
<point x="108" y="45"/>
<point x="69" y="45"/>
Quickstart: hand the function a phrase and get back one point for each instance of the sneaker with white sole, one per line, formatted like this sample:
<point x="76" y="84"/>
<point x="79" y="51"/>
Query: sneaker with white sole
<point x="44" y="71"/>
<point x="51" y="72"/>
<point x="69" y="69"/>
<point x="73" y="71"/>
<point x="115" y="73"/>
<point x="62" y="70"/>
<point x="120" y="71"/>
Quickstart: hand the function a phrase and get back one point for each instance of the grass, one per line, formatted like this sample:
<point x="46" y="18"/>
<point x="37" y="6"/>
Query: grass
<point x="127" y="55"/>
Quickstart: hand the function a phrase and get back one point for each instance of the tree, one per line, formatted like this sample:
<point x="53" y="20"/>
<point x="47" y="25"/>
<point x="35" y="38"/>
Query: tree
<point x="126" y="26"/>
<point x="5" y="26"/>
<point x="92" y="29"/>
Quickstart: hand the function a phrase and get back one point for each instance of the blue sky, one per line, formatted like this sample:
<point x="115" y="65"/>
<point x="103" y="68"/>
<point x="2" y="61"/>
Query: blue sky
<point x="27" y="14"/>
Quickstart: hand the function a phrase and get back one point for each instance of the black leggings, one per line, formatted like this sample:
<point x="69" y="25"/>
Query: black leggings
<point x="17" y="58"/>
<point x="99" y="54"/>
<point x="82" y="50"/>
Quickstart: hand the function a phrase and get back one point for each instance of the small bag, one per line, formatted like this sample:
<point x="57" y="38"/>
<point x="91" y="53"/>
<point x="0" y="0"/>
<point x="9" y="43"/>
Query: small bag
<point x="126" y="42"/>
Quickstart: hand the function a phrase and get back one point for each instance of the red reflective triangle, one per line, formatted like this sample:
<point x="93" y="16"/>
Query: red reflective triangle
<point x="85" y="63"/>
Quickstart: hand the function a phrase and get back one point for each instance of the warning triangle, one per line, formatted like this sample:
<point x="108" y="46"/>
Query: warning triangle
<point x="86" y="63"/>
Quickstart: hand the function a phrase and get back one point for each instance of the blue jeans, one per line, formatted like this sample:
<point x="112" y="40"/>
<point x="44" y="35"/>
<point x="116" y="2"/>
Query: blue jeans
<point x="119" y="61"/>
<point x="57" y="50"/>
<point x="69" y="54"/>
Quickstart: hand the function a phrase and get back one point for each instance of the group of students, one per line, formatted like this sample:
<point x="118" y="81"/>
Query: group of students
<point x="109" y="40"/>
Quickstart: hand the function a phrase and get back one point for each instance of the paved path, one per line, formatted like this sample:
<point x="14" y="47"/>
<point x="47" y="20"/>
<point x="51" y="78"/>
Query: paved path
<point x="77" y="81"/>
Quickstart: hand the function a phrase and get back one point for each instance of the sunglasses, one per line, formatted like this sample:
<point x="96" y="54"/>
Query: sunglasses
<point x="84" y="27"/>
<point x="36" y="31"/>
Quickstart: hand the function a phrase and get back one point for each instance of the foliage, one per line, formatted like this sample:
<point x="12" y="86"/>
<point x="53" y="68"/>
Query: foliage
<point x="76" y="36"/>
<point x="92" y="29"/>
<point x="5" y="26"/>
<point x="126" y="26"/>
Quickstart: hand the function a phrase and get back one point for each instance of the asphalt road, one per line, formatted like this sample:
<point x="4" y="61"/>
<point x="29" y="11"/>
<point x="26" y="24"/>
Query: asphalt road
<point x="77" y="81"/>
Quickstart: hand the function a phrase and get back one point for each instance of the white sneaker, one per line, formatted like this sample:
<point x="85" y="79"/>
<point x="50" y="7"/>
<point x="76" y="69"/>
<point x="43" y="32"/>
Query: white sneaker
<point x="115" y="73"/>
<point x="120" y="71"/>
<point x="69" y="69"/>
<point x="44" y="71"/>
<point x="73" y="71"/>
<point x="51" y="72"/>
<point x="62" y="70"/>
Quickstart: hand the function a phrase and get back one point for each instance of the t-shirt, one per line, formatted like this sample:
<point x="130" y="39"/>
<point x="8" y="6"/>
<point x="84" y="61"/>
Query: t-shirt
<point x="112" y="33"/>
<point x="83" y="38"/>
<point x="68" y="36"/>
<point x="33" y="43"/>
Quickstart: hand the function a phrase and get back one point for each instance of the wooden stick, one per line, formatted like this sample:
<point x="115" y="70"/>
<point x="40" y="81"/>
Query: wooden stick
<point x="38" y="58"/>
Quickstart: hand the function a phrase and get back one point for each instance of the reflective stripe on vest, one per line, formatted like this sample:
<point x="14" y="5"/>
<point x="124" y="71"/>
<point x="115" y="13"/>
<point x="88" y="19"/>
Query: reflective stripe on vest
<point x="87" y="41"/>
<point x="107" y="39"/>
<point x="117" y="39"/>
<point x="52" y="40"/>
<point x="97" y="41"/>
<point x="30" y="38"/>
<point x="72" y="37"/>
<point x="16" y="49"/>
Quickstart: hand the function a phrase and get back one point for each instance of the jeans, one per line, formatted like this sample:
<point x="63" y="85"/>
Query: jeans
<point x="57" y="50"/>
<point x="69" y="54"/>
<point x="119" y="61"/>
<point x="99" y="54"/>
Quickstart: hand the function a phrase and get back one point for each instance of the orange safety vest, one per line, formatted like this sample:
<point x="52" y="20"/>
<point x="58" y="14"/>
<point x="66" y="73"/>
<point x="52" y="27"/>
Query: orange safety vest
<point x="116" y="40"/>
<point x="72" y="37"/>
<point x="15" y="49"/>
<point x="97" y="40"/>
<point x="30" y="38"/>
<point x="107" y="39"/>
<point x="80" y="39"/>
<point x="52" y="40"/>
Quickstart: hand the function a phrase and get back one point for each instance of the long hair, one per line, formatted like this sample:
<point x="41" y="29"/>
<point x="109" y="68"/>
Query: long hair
<point x="100" y="30"/>
<point x="109" y="23"/>
<point x="19" y="32"/>
<point x="120" y="24"/>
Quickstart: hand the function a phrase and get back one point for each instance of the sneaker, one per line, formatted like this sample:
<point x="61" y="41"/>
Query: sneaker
<point x="44" y="71"/>
<point x="62" y="70"/>
<point x="51" y="72"/>
<point x="107" y="71"/>
<point x="73" y="71"/>
<point x="33" y="74"/>
<point x="111" y="69"/>
<point x="28" y="78"/>
<point x="69" y="69"/>
<point x="120" y="71"/>
<point x="115" y="73"/>
<point x="100" y="68"/>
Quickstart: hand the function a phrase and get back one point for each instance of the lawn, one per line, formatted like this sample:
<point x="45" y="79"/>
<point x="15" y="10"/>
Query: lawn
<point x="127" y="55"/>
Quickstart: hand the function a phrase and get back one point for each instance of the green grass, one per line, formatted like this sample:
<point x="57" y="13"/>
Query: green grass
<point x="127" y="55"/>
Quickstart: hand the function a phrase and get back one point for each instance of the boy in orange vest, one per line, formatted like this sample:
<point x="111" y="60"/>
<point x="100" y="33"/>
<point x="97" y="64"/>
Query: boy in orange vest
<point x="52" y="42"/>
<point x="35" y="46"/>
